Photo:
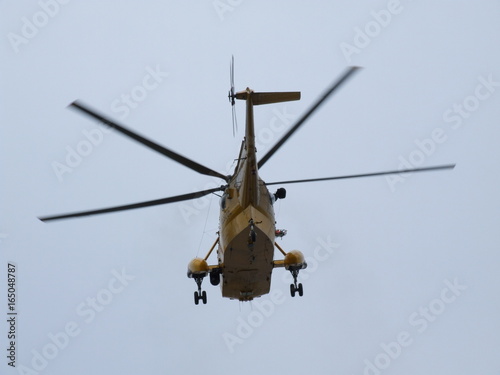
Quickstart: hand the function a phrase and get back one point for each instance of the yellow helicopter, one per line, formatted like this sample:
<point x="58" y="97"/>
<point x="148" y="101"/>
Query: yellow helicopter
<point x="247" y="232"/>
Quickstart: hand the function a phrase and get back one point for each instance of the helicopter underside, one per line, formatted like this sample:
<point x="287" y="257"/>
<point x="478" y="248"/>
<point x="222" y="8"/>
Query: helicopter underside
<point x="246" y="253"/>
<point x="247" y="265"/>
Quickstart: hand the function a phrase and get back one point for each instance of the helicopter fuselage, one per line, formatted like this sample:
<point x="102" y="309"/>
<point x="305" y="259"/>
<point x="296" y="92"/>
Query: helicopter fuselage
<point x="247" y="225"/>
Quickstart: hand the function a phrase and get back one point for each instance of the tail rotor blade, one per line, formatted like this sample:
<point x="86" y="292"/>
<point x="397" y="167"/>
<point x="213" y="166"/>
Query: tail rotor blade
<point x="231" y="95"/>
<point x="235" y="121"/>
<point x="231" y="74"/>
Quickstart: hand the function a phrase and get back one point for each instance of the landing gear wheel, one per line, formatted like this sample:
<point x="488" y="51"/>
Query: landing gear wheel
<point x="294" y="287"/>
<point x="200" y="294"/>
<point x="204" y="297"/>
<point x="196" y="298"/>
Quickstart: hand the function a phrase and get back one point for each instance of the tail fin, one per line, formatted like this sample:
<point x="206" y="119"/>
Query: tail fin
<point x="274" y="97"/>
<point x="269" y="97"/>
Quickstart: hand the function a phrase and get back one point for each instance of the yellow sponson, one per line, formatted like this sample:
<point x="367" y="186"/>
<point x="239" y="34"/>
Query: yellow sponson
<point x="295" y="259"/>
<point x="198" y="266"/>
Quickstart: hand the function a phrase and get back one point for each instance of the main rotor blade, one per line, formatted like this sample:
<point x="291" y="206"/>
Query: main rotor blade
<point x="439" y="167"/>
<point x="316" y="105"/>
<point x="162" y="150"/>
<point x="156" y="202"/>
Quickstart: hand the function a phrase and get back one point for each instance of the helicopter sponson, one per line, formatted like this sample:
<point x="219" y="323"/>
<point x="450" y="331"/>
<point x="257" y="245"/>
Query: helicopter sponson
<point x="294" y="260"/>
<point x="198" y="267"/>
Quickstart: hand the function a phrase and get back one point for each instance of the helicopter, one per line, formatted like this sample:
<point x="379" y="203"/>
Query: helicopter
<point x="246" y="240"/>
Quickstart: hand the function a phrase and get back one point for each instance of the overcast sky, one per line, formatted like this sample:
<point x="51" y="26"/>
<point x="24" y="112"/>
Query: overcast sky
<point x="403" y="272"/>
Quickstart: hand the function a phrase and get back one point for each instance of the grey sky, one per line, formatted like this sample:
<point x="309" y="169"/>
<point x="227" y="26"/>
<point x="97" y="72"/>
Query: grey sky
<point x="408" y="263"/>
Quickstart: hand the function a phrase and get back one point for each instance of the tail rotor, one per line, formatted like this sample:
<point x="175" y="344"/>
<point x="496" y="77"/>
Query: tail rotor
<point x="232" y="95"/>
